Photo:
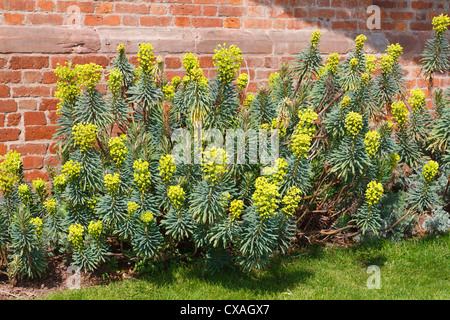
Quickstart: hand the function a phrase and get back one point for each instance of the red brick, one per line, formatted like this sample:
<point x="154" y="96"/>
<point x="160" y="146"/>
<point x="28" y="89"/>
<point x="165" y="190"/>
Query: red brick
<point x="9" y="134"/>
<point x="3" y="62"/>
<point x="184" y="22"/>
<point x="39" y="133"/>
<point x="158" y="9"/>
<point x="32" y="76"/>
<point x="420" y="26"/>
<point x="31" y="91"/>
<point x="13" y="119"/>
<point x="46" y="5"/>
<point x="281" y="13"/>
<point x="34" y="118"/>
<point x="105" y="7"/>
<point x="8" y="76"/>
<point x="33" y="162"/>
<point x="48" y="104"/>
<point x="45" y="18"/>
<point x="206" y="62"/>
<point x="257" y="23"/>
<point x="300" y="13"/>
<point x="28" y="62"/>
<point x="2" y="119"/>
<point x="401" y="15"/>
<point x="232" y="23"/>
<point x="132" y="8"/>
<point x="13" y="18"/>
<point x="52" y="117"/>
<point x="27" y="104"/>
<point x="8" y="105"/>
<point x="172" y="62"/>
<point x="31" y="175"/>
<point x="207" y="23"/>
<point x="30" y="148"/>
<point x="84" y="59"/>
<point x="152" y="21"/>
<point x="184" y="9"/>
<point x="322" y="13"/>
<point x="85" y="7"/>
<point x="51" y="161"/>
<point x="130" y="20"/>
<point x="209" y="10"/>
<point x="49" y="77"/>
<point x="21" y="5"/>
<point x="102" y="20"/>
<point x="346" y="25"/>
<point x="422" y="4"/>
<point x="4" y="91"/>
<point x="230" y="11"/>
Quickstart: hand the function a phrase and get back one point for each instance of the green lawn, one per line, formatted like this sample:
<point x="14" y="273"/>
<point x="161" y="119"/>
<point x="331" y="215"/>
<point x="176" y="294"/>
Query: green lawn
<point x="412" y="269"/>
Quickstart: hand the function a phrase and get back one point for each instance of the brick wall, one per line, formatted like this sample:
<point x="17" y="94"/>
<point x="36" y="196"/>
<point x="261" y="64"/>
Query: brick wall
<point x="35" y="35"/>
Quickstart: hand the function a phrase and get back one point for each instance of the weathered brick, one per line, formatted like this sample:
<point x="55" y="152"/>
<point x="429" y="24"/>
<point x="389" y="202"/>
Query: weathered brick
<point x="102" y="20"/>
<point x="44" y="18"/>
<point x="5" y="91"/>
<point x="34" y="118"/>
<point x="183" y="22"/>
<point x="28" y="62"/>
<point x="46" y="5"/>
<point x="32" y="162"/>
<point x="31" y="91"/>
<point x="8" y="105"/>
<point x="184" y="9"/>
<point x="9" y="76"/>
<point x="48" y="104"/>
<point x="232" y="23"/>
<point x="13" y="18"/>
<point x="207" y="23"/>
<point x="39" y="133"/>
<point x="9" y="134"/>
<point x="30" y="148"/>
<point x="13" y="119"/>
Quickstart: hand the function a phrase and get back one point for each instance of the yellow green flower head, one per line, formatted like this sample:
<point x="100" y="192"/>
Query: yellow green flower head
<point x="374" y="193"/>
<point x="95" y="229"/>
<point x="265" y="126"/>
<point x="291" y="200"/>
<point x="76" y="235"/>
<point x="281" y="127"/>
<point x="306" y="119"/>
<point x="115" y="82"/>
<point x="39" y="186"/>
<point x="242" y="81"/>
<point x="112" y="183"/>
<point x="399" y="112"/>
<point x="176" y="81"/>
<point x="132" y="207"/>
<point x="273" y="78"/>
<point x="37" y="222"/>
<point x="236" y="207"/>
<point x="91" y="202"/>
<point x="440" y="24"/>
<point x="71" y="169"/>
<point x="360" y="40"/>
<point x="214" y="163"/>
<point x="417" y="99"/>
<point x="228" y="61"/>
<point x="24" y="192"/>
<point x="145" y="57"/>
<point x="248" y="100"/>
<point x="277" y="171"/>
<point x="146" y="217"/>
<point x="353" y="123"/>
<point x="84" y="135"/>
<point x="372" y="142"/>
<point x="315" y="38"/>
<point x="121" y="49"/>
<point x="169" y="91"/>
<point x="118" y="149"/>
<point x="387" y="62"/>
<point x="371" y="64"/>
<point x="365" y="78"/>
<point x="394" y="158"/>
<point x="88" y="75"/>
<point x="333" y="62"/>
<point x="176" y="195"/>
<point x="167" y="166"/>
<point x="394" y="50"/>
<point x="60" y="182"/>
<point x="430" y="170"/>
<point x="265" y="198"/>
<point x="300" y="144"/>
<point x="141" y="174"/>
<point x="353" y="63"/>
<point x="7" y="182"/>
<point x="12" y="162"/>
<point x="67" y="87"/>
<point x="190" y="63"/>
<point x="50" y="206"/>
<point x="345" y="103"/>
